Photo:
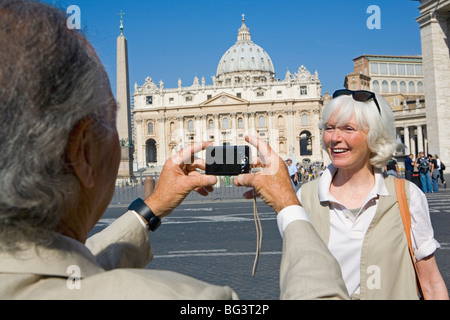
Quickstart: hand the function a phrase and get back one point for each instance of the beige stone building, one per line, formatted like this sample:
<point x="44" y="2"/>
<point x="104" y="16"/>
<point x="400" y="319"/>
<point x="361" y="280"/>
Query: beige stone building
<point x="245" y="97"/>
<point x="400" y="80"/>
<point x="434" y="21"/>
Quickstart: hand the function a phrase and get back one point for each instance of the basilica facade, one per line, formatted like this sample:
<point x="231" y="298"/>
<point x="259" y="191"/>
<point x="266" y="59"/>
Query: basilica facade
<point x="245" y="97"/>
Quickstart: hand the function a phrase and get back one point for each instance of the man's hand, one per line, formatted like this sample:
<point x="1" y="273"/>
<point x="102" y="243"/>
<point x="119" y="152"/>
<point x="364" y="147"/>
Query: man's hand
<point x="178" y="178"/>
<point x="273" y="183"/>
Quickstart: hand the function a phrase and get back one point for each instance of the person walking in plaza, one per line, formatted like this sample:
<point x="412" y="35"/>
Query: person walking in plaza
<point x="441" y="168"/>
<point x="392" y="167"/>
<point x="292" y="172"/>
<point x="409" y="167"/>
<point x="354" y="206"/>
<point x="424" y="166"/>
<point x="434" y="173"/>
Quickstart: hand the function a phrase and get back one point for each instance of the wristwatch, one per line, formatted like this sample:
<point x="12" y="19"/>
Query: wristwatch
<point x="141" y="208"/>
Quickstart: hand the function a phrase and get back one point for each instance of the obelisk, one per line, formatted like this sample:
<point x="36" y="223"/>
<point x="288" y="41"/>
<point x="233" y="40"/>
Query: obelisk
<point x="123" y="106"/>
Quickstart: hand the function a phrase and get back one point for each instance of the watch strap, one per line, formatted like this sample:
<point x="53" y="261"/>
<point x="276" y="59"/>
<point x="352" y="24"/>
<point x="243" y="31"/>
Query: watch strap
<point x="141" y="208"/>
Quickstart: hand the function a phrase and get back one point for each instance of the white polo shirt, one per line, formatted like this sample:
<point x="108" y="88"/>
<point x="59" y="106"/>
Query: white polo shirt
<point x="347" y="231"/>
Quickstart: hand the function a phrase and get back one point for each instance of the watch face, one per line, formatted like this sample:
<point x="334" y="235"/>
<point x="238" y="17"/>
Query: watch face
<point x="149" y="99"/>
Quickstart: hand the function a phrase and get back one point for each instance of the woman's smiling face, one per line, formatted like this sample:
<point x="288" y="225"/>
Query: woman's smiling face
<point x="346" y="144"/>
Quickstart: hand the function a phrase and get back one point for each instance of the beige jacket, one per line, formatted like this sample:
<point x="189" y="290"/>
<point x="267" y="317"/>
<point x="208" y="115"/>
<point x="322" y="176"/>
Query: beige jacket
<point x="384" y="250"/>
<point x="110" y="266"/>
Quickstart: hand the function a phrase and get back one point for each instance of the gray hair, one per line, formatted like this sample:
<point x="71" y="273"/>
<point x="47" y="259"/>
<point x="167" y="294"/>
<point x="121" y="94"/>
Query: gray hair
<point x="49" y="77"/>
<point x="381" y="137"/>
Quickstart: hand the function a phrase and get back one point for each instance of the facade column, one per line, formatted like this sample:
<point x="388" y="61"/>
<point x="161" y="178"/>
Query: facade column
<point x="406" y="139"/>
<point x="181" y="137"/>
<point x="420" y="139"/>
<point x="271" y="133"/>
<point x="140" y="145"/>
<point x="216" y="130"/>
<point x="234" y="127"/>
<point x="435" y="32"/>
<point x="162" y="141"/>
<point x="198" y="129"/>
<point x="412" y="140"/>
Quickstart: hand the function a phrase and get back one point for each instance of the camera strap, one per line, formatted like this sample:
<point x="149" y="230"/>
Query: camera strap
<point x="258" y="234"/>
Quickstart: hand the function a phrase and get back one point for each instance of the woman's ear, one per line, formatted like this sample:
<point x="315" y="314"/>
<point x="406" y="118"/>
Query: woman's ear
<point x="78" y="151"/>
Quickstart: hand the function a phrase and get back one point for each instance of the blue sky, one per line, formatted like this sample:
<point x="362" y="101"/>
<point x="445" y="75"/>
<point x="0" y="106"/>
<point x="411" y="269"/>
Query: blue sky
<point x="168" y="40"/>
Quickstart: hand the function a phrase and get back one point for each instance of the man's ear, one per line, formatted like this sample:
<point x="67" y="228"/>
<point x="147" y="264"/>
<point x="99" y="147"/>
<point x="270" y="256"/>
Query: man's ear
<point x="78" y="148"/>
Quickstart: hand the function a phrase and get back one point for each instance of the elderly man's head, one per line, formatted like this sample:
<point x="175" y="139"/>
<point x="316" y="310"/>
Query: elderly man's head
<point x="54" y="97"/>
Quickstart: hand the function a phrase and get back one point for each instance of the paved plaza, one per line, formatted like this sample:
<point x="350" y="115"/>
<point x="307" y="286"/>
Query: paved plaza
<point x="215" y="241"/>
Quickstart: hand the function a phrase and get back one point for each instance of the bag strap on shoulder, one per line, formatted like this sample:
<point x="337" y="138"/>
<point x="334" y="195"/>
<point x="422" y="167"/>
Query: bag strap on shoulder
<point x="406" y="218"/>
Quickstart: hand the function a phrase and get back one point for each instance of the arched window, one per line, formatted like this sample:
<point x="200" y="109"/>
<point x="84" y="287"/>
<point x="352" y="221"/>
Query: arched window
<point x="402" y="86"/>
<point x="376" y="86"/>
<point x="172" y="127"/>
<point x="150" y="150"/>
<point x="261" y="122"/>
<point x="280" y="122"/>
<point x="420" y="86"/>
<point x="394" y="87"/>
<point x="240" y="123"/>
<point x="210" y="124"/>
<point x="411" y="87"/>
<point x="150" y="127"/>
<point x="304" y="119"/>
<point x="384" y="86"/>
<point x="305" y="143"/>
<point x="190" y="125"/>
<point x="225" y="123"/>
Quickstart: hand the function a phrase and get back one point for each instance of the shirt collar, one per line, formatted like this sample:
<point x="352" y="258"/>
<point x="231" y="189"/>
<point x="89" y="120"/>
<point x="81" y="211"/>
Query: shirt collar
<point x="379" y="188"/>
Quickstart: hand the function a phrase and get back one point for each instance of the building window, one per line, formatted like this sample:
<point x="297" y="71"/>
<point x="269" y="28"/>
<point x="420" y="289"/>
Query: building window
<point x="402" y="86"/>
<point x="419" y="70"/>
<point x="411" y="87"/>
<point x="303" y="90"/>
<point x="150" y="127"/>
<point x="188" y="99"/>
<point x="260" y="94"/>
<point x="394" y="87"/>
<point x="383" y="68"/>
<point x="208" y="97"/>
<point x="401" y="69"/>
<point x="261" y="122"/>
<point x="305" y="143"/>
<point x="240" y="123"/>
<point x="190" y="125"/>
<point x="420" y="86"/>
<point x="392" y="69"/>
<point x="384" y="86"/>
<point x="210" y="124"/>
<point x="376" y="86"/>
<point x="225" y="123"/>
<point x="374" y="68"/>
<point x="410" y="69"/>
<point x="149" y="99"/>
<point x="239" y="95"/>
<point x="171" y="100"/>
<point x="304" y="119"/>
<point x="280" y="122"/>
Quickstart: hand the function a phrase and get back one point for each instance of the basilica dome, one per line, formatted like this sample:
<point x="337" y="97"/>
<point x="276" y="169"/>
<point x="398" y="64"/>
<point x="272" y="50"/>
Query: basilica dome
<point x="245" y="59"/>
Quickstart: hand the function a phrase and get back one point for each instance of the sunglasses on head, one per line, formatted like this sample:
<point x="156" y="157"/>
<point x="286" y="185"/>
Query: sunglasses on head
<point x="359" y="95"/>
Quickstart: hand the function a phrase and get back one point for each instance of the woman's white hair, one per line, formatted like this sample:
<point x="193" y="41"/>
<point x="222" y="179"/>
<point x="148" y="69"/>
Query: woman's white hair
<point x="381" y="136"/>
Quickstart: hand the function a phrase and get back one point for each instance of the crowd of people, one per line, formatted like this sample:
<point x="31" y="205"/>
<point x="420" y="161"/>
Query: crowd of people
<point x="430" y="169"/>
